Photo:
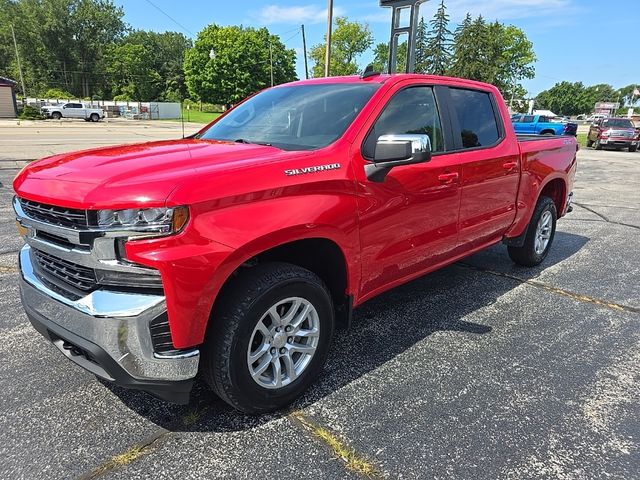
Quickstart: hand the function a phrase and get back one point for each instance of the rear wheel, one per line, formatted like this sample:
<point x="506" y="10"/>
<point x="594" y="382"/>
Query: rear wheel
<point x="268" y="338"/>
<point x="539" y="237"/>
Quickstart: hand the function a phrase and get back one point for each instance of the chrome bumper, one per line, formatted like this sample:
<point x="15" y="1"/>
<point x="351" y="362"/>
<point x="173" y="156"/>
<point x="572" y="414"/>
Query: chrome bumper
<point x="111" y="327"/>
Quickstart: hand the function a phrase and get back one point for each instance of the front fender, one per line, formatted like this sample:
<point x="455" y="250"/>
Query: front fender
<point x="196" y="264"/>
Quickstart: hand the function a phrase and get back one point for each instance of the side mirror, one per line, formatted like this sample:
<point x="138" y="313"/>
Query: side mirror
<point x="64" y="106"/>
<point x="396" y="150"/>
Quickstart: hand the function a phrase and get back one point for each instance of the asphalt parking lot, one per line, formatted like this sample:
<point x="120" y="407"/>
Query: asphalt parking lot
<point x="481" y="370"/>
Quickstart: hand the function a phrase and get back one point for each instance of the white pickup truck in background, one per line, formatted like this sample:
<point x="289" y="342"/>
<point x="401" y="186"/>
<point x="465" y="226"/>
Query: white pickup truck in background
<point x="73" y="110"/>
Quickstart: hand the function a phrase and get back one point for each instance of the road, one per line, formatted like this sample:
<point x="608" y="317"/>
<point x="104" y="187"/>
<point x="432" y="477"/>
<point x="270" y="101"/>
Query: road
<point x="481" y="370"/>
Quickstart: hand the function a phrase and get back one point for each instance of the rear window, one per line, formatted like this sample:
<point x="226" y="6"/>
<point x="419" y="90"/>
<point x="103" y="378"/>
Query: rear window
<point x="476" y="118"/>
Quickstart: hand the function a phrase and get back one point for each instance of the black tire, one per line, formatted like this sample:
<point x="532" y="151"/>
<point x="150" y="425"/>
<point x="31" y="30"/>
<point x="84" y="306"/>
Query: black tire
<point x="633" y="149"/>
<point x="547" y="132"/>
<point x="589" y="143"/>
<point x="527" y="255"/>
<point x="238" y="310"/>
<point x="598" y="145"/>
<point x="94" y="117"/>
<point x="56" y="115"/>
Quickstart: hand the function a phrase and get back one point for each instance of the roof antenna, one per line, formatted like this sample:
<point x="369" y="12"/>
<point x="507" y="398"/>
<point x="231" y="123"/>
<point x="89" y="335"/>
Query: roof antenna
<point x="369" y="72"/>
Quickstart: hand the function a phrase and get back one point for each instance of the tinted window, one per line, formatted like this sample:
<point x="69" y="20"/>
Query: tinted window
<point x="412" y="110"/>
<point x="478" y="126"/>
<point x="543" y="120"/>
<point x="617" y="123"/>
<point x="528" y="119"/>
<point x="297" y="117"/>
<point x="74" y="105"/>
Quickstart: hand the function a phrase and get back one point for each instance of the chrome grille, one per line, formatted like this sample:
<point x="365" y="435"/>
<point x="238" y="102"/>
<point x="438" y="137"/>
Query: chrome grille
<point x="61" y="216"/>
<point x="77" y="276"/>
<point x="622" y="133"/>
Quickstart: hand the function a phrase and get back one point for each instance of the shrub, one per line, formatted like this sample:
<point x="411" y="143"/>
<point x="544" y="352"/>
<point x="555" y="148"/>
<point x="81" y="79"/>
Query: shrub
<point x="57" y="93"/>
<point x="30" y="113"/>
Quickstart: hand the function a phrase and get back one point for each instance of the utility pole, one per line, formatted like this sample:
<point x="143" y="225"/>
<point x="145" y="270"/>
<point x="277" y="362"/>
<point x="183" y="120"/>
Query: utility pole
<point x="304" y="48"/>
<point x="327" y="56"/>
<point x="15" y="44"/>
<point x="271" y="60"/>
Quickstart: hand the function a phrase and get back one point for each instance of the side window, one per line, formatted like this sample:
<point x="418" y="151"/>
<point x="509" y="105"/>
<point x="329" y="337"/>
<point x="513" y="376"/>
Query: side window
<point x="528" y="119"/>
<point x="74" y="105"/>
<point x="477" y="121"/>
<point x="412" y="110"/>
<point x="543" y="120"/>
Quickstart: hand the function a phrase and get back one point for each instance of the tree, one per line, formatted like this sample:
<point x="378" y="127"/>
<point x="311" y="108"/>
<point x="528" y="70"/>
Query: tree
<point x="381" y="56"/>
<point x="241" y="64"/>
<point x="566" y="98"/>
<point x="166" y="57"/>
<point x="626" y="96"/>
<point x="422" y="54"/>
<point x="348" y="42"/>
<point x="131" y="77"/>
<point x="492" y="53"/>
<point x="436" y="53"/>
<point x="61" y="42"/>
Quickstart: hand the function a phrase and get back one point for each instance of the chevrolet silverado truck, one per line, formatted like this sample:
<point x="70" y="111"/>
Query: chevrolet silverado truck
<point x="236" y="253"/>
<point x="617" y="133"/>
<point x="73" y="110"/>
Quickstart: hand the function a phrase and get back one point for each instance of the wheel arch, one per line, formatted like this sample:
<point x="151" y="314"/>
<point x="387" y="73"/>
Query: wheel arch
<point x="321" y="255"/>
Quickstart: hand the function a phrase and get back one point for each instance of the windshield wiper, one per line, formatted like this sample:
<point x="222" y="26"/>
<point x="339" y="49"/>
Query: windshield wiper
<point x="244" y="140"/>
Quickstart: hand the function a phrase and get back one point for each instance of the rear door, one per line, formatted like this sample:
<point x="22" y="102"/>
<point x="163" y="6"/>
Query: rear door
<point x="490" y="166"/>
<point x="74" y="110"/>
<point x="528" y="125"/>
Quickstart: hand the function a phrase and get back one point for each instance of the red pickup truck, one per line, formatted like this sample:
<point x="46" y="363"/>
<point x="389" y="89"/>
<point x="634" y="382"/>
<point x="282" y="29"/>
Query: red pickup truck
<point x="237" y="252"/>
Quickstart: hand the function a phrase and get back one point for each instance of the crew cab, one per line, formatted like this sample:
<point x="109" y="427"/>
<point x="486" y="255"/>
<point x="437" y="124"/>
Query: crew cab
<point x="236" y="253"/>
<point x="72" y="110"/>
<point x="542" y="125"/>
<point x="613" y="132"/>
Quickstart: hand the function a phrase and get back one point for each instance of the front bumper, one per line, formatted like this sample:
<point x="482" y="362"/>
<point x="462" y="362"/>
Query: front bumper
<point x="107" y="333"/>
<point x="618" y="142"/>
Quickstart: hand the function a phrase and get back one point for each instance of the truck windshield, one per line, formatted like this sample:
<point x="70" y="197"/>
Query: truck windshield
<point x="297" y="117"/>
<point x="617" y="123"/>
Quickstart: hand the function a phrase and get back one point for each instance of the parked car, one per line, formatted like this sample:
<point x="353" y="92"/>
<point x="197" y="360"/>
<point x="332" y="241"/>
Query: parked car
<point x="618" y="133"/>
<point x="541" y="125"/>
<point x="73" y="110"/>
<point x="237" y="252"/>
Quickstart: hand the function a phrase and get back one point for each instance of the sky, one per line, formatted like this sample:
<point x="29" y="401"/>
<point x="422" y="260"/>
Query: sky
<point x="574" y="40"/>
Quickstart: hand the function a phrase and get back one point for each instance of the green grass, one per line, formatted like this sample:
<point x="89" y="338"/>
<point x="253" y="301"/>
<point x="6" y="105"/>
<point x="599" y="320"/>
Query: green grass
<point x="196" y="116"/>
<point x="582" y="139"/>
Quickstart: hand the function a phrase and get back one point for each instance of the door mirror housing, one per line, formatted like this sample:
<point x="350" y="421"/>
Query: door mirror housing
<point x="396" y="150"/>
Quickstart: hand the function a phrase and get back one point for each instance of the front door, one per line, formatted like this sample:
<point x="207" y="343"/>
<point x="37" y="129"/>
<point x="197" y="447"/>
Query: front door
<point x="409" y="221"/>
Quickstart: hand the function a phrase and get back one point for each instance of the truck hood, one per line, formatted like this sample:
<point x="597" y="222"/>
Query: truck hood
<point x="134" y="175"/>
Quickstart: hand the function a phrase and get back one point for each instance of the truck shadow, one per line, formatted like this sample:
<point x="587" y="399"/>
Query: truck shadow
<point x="382" y="329"/>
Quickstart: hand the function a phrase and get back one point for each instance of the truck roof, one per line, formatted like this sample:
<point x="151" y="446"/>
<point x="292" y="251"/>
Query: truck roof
<point x="384" y="77"/>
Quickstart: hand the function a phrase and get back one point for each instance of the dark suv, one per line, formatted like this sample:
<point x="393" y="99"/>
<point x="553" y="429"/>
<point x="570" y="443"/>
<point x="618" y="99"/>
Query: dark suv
<point x="613" y="132"/>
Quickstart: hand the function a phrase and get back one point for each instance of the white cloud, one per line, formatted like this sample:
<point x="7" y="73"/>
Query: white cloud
<point x="272" y="14"/>
<point x="503" y="9"/>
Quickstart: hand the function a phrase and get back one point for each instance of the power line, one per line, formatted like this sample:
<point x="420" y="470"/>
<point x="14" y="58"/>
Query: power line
<point x="170" y="18"/>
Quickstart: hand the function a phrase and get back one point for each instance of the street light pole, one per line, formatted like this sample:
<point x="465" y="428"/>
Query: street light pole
<point x="271" y="61"/>
<point x="15" y="44"/>
<point x="304" y="48"/>
<point x="327" y="56"/>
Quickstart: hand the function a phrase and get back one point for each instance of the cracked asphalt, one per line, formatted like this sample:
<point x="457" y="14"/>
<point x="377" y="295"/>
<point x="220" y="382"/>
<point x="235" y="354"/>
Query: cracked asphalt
<point x="480" y="370"/>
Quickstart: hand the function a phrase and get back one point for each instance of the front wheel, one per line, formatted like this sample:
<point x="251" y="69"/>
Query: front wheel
<point x="598" y="145"/>
<point x="633" y="148"/>
<point x="94" y="117"/>
<point x="539" y="237"/>
<point x="269" y="337"/>
<point x="589" y="143"/>
<point x="56" y="115"/>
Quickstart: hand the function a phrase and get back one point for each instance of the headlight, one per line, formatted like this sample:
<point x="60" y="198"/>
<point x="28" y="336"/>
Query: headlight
<point x="606" y="133"/>
<point x="146" y="220"/>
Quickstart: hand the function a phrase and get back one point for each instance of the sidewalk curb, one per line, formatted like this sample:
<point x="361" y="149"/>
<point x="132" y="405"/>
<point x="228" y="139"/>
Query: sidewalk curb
<point x="14" y="164"/>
